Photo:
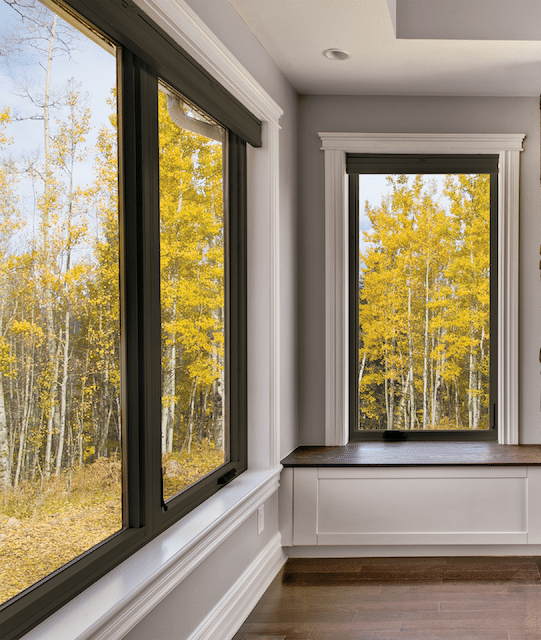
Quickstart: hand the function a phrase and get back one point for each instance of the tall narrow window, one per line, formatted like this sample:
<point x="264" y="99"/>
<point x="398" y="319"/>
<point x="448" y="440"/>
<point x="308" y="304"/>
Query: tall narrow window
<point x="60" y="419"/>
<point x="193" y="314"/>
<point x="422" y="339"/>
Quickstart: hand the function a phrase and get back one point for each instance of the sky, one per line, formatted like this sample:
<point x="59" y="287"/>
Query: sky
<point x="90" y="65"/>
<point x="373" y="188"/>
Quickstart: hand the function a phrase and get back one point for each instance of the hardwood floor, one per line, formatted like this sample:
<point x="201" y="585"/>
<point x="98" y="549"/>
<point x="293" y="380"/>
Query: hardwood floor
<point x="400" y="599"/>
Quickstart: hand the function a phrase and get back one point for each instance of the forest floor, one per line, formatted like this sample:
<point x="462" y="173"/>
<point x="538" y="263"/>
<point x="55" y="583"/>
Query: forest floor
<point x="43" y="528"/>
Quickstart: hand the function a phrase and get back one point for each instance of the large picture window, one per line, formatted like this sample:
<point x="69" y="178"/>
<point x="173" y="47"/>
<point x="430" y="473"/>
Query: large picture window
<point x="123" y="298"/>
<point x="422" y="290"/>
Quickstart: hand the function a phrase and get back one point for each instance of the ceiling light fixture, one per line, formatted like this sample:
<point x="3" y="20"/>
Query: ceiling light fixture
<point x="336" y="54"/>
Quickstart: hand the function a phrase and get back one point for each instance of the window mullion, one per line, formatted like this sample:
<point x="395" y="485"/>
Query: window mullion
<point x="149" y="283"/>
<point x="236" y="294"/>
<point x="133" y="492"/>
<point x="140" y="267"/>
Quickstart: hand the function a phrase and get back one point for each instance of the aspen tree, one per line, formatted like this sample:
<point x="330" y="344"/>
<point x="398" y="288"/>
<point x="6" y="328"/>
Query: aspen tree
<point x="470" y="269"/>
<point x="10" y="222"/>
<point x="67" y="142"/>
<point x="101" y="380"/>
<point x="424" y="305"/>
<point x="191" y="214"/>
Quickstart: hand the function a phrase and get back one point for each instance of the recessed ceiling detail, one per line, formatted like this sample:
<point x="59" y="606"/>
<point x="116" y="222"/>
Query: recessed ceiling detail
<point x="466" y="19"/>
<point x="441" y="49"/>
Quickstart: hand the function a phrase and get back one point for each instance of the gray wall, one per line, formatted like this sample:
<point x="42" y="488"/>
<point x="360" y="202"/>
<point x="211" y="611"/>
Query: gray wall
<point x="397" y="114"/>
<point x="180" y="613"/>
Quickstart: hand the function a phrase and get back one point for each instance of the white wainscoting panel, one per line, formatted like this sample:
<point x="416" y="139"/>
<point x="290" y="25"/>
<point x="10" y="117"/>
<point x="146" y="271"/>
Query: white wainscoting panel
<point x="305" y="484"/>
<point x="225" y="619"/>
<point x="480" y="505"/>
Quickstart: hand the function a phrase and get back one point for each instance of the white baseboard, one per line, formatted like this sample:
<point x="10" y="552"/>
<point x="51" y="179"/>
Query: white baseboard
<point x="232" y="610"/>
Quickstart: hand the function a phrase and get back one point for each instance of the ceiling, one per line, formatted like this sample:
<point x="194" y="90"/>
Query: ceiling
<point x="402" y="47"/>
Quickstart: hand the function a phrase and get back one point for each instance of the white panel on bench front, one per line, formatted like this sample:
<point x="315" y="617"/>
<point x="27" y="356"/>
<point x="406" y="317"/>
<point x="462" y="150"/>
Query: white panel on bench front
<point x="416" y="505"/>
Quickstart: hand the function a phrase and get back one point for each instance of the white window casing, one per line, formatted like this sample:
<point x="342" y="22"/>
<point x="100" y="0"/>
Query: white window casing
<point x="336" y="146"/>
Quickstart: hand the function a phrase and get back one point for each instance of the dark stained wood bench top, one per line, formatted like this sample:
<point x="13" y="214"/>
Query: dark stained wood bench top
<point x="405" y="454"/>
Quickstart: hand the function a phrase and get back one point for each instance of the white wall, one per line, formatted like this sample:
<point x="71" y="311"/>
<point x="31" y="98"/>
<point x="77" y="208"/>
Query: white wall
<point x="396" y="114"/>
<point x="184" y="609"/>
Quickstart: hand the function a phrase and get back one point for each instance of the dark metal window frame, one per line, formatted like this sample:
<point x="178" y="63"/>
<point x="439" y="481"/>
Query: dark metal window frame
<point x="418" y="164"/>
<point x="147" y="54"/>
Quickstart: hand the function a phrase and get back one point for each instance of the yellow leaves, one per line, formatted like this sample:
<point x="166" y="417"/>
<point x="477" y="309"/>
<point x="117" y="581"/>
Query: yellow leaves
<point x="5" y="119"/>
<point x="424" y="302"/>
<point x="168" y="399"/>
<point x="5" y="116"/>
<point x="71" y="131"/>
<point x="29" y="331"/>
<point x="191" y="260"/>
<point x="68" y="516"/>
<point x="77" y="275"/>
<point x="7" y="359"/>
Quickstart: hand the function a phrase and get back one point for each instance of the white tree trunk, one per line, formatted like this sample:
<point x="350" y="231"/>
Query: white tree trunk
<point x="425" y="358"/>
<point x="63" y="394"/>
<point x="5" y="479"/>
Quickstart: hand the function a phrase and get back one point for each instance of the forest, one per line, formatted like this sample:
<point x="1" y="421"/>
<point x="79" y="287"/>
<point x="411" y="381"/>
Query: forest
<point x="424" y="305"/>
<point x="60" y="374"/>
<point x="59" y="271"/>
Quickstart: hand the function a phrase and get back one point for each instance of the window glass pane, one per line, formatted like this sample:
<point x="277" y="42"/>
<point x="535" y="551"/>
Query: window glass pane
<point x="192" y="293"/>
<point x="424" y="302"/>
<point x="60" y="462"/>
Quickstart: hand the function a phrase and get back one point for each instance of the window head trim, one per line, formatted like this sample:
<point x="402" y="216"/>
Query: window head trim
<point x="335" y="146"/>
<point x="128" y="25"/>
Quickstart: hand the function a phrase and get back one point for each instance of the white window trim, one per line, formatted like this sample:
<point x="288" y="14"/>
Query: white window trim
<point x="335" y="146"/>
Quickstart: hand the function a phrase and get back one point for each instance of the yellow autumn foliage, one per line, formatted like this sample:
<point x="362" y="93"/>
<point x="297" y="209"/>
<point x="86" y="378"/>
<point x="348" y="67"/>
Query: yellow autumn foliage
<point x="424" y="306"/>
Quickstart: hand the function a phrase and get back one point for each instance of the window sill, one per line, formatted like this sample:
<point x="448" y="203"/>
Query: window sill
<point x="113" y="605"/>
<point x="405" y="454"/>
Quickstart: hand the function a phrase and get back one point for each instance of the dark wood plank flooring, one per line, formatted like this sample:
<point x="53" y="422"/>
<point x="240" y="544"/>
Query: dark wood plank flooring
<point x="405" y="454"/>
<point x="400" y="599"/>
